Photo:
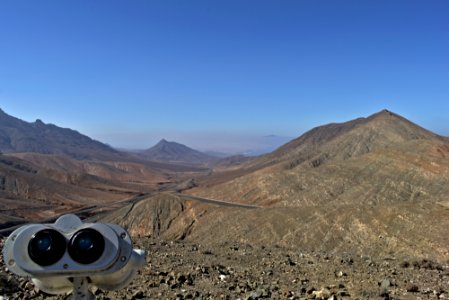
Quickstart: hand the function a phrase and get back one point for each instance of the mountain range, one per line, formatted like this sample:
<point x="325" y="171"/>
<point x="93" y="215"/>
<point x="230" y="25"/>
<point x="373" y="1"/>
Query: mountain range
<point x="373" y="185"/>
<point x="20" y="136"/>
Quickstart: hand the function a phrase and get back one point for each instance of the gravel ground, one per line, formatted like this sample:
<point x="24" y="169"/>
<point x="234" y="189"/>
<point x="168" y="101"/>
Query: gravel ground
<point x="185" y="270"/>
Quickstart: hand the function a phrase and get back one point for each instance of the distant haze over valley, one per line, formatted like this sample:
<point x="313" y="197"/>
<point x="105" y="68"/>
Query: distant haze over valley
<point x="218" y="144"/>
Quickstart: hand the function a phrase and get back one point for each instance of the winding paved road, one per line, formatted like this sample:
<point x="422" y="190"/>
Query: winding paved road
<point x="216" y="202"/>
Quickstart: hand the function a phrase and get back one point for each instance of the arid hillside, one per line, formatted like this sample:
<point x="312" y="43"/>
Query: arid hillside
<point x="46" y="170"/>
<point x="375" y="185"/>
<point x="36" y="187"/>
<point x="378" y="160"/>
<point x="29" y="191"/>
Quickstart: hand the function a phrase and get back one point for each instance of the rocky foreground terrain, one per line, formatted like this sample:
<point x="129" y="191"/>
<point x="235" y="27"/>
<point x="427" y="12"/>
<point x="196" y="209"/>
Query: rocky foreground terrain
<point x="186" y="270"/>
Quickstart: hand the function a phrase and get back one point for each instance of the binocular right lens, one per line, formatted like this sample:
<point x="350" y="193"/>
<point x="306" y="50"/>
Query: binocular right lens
<point x="46" y="247"/>
<point x="86" y="246"/>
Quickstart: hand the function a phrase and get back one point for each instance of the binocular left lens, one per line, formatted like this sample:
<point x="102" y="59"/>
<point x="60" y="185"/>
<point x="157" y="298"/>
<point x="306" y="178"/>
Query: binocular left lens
<point x="46" y="247"/>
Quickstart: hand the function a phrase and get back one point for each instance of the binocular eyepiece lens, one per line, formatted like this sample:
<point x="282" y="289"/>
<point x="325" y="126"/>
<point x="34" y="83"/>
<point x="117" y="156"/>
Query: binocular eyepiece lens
<point x="46" y="247"/>
<point x="86" y="246"/>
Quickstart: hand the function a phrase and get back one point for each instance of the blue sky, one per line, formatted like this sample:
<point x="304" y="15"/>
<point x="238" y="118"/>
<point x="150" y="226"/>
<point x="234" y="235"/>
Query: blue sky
<point x="131" y="72"/>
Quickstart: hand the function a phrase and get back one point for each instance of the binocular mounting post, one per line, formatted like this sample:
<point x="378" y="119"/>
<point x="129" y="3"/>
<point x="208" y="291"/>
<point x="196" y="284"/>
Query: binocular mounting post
<point x="81" y="289"/>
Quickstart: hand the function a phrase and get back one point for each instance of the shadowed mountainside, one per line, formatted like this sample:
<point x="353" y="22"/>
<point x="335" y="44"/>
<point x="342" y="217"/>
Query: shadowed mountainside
<point x="20" y="136"/>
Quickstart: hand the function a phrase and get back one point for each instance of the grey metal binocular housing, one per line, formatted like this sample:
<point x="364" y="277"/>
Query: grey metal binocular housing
<point x="70" y="255"/>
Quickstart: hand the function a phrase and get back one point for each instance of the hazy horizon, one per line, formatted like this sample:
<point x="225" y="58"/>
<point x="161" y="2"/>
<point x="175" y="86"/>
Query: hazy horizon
<point x="218" y="143"/>
<point x="222" y="74"/>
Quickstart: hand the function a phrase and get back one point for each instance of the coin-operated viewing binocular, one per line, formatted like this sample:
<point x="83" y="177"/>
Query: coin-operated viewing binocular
<point x="70" y="255"/>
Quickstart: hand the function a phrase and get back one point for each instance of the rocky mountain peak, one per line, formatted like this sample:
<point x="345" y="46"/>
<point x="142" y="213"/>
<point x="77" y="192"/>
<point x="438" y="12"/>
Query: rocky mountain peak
<point x="386" y="114"/>
<point x="387" y="123"/>
<point x="39" y="123"/>
<point x="170" y="146"/>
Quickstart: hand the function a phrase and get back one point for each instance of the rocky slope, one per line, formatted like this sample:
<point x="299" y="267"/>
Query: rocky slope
<point x="400" y="229"/>
<point x="229" y="270"/>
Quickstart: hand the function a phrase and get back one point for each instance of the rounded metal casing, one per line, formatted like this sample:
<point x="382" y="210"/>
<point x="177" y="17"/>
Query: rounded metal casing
<point x="115" y="267"/>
